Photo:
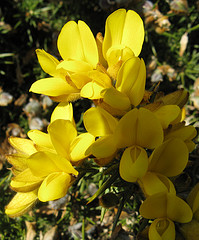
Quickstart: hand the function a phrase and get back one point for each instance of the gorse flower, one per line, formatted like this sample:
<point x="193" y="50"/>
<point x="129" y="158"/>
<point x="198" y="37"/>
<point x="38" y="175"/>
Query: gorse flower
<point x="80" y="74"/>
<point x="137" y="137"/>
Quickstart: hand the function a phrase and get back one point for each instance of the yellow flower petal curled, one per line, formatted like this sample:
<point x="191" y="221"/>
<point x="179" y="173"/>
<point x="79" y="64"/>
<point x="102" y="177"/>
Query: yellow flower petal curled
<point x="24" y="186"/>
<point x="63" y="110"/>
<point x="47" y="62"/>
<point x="152" y="183"/>
<point x="53" y="87"/>
<point x="170" y="158"/>
<point x="92" y="90"/>
<point x="21" y="203"/>
<point x="22" y="145"/>
<point x="19" y="161"/>
<point x="162" y="229"/>
<point x="167" y="114"/>
<point x="133" y="164"/>
<point x="77" y="42"/>
<point x="181" y="131"/>
<point x="124" y="28"/>
<point x="74" y="66"/>
<point x="116" y="99"/>
<point x="79" y="146"/>
<point x="139" y="127"/>
<point x="42" y="164"/>
<point x="99" y="122"/>
<point x="131" y="79"/>
<point x="40" y="138"/>
<point x="166" y="205"/>
<point x="104" y="147"/>
<point x="54" y="186"/>
<point x="58" y="130"/>
<point x="27" y="176"/>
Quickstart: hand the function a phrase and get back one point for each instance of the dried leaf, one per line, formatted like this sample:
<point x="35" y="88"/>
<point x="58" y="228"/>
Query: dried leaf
<point x="51" y="234"/>
<point x="31" y="233"/>
<point x="183" y="43"/>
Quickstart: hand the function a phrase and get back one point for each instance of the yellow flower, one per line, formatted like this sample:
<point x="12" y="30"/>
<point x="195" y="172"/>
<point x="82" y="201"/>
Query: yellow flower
<point x="124" y="35"/>
<point x="56" y="174"/>
<point x="81" y="74"/>
<point x="21" y="203"/>
<point x="136" y="130"/>
<point x="165" y="208"/>
<point x="74" y="146"/>
<point x="78" y="49"/>
<point x="162" y="229"/>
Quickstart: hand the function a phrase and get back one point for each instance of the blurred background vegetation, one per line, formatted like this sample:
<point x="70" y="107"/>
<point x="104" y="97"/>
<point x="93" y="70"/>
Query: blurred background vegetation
<point x="171" y="55"/>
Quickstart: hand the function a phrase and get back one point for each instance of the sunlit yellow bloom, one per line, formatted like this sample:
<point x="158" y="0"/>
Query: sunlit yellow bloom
<point x="138" y="129"/>
<point x="56" y="174"/>
<point x="21" y="203"/>
<point x="124" y="35"/>
<point x="100" y="123"/>
<point x="24" y="148"/>
<point x="78" y="49"/>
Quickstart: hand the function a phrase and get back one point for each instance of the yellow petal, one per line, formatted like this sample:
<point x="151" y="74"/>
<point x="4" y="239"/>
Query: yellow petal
<point x="63" y="110"/>
<point x="162" y="229"/>
<point x="133" y="164"/>
<point x="69" y="42"/>
<point x="54" y="186"/>
<point x="152" y="183"/>
<point x="181" y="131"/>
<point x="77" y="42"/>
<point x="133" y="32"/>
<point x="18" y="161"/>
<point x="124" y="29"/>
<point x="53" y="87"/>
<point x="116" y="99"/>
<point x="170" y="158"/>
<point x="24" y="186"/>
<point x="99" y="122"/>
<point x="178" y="97"/>
<point x="74" y="66"/>
<point x="139" y="127"/>
<point x="47" y="62"/>
<point x="22" y="145"/>
<point x="118" y="53"/>
<point x="166" y="205"/>
<point x="21" y="203"/>
<point x="92" y="90"/>
<point x="167" y="114"/>
<point x="27" y="176"/>
<point x="44" y="163"/>
<point x="127" y="74"/>
<point x="104" y="147"/>
<point x="136" y="93"/>
<point x="89" y="44"/>
<point x="80" y="145"/>
<point x="40" y="138"/>
<point x="101" y="78"/>
<point x="58" y="131"/>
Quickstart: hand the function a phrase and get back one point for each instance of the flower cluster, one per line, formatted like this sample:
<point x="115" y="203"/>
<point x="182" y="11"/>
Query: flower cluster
<point x="143" y="132"/>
